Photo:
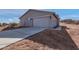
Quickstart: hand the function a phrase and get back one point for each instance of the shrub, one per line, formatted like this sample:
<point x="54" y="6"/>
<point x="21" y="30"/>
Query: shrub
<point x="0" y="24"/>
<point x="4" y="24"/>
<point x="13" y="25"/>
<point x="70" y="21"/>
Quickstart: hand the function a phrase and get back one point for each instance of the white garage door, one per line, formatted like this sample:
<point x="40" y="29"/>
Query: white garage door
<point x="41" y="22"/>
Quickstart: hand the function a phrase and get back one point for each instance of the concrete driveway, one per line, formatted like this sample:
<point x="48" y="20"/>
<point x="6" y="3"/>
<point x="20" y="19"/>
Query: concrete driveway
<point x="11" y="36"/>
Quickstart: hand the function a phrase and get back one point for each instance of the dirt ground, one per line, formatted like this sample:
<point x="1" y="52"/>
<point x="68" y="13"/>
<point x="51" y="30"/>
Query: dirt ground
<point x="3" y="27"/>
<point x="73" y="32"/>
<point x="65" y="39"/>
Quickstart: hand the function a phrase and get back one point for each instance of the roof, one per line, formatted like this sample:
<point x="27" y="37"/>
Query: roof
<point x="40" y="11"/>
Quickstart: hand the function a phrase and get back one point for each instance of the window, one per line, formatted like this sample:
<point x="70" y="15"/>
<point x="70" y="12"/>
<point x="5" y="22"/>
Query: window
<point x="50" y="17"/>
<point x="31" y="20"/>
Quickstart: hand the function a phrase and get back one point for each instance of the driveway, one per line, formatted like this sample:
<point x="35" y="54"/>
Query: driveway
<point x="11" y="36"/>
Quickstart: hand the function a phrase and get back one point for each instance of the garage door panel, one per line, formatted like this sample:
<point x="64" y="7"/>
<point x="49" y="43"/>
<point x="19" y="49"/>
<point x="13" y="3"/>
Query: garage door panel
<point x="41" y="22"/>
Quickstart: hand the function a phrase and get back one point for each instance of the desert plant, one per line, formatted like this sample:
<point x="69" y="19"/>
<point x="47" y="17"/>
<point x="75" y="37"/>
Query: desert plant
<point x="13" y="25"/>
<point x="4" y="24"/>
<point x="70" y="21"/>
<point x="0" y="24"/>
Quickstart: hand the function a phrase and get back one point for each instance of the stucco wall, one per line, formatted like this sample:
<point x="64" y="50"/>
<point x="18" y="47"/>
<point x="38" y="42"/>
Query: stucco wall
<point x="53" y="21"/>
<point x="34" y="14"/>
<point x="25" y="22"/>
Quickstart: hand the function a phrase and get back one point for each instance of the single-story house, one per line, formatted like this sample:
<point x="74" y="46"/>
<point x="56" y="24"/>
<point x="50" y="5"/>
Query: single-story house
<point x="38" y="18"/>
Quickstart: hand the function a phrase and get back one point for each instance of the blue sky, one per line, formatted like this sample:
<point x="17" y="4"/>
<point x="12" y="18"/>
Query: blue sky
<point x="12" y="15"/>
<point x="68" y="13"/>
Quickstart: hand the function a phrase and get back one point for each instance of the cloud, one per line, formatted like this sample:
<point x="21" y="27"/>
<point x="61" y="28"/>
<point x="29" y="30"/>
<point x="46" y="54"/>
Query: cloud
<point x="9" y="20"/>
<point x="10" y="15"/>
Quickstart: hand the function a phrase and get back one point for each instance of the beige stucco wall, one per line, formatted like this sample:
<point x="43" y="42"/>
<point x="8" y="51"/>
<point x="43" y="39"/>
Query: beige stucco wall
<point x="54" y="21"/>
<point x="24" y="19"/>
<point x="34" y="14"/>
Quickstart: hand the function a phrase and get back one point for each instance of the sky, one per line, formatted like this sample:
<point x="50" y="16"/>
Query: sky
<point x="12" y="15"/>
<point x="68" y="13"/>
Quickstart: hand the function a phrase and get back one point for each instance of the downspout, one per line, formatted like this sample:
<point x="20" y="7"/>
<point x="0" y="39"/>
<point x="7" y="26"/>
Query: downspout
<point x="50" y="22"/>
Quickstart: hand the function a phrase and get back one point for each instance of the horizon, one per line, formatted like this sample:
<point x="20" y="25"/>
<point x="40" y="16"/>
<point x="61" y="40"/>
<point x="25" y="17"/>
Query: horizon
<point x="12" y="15"/>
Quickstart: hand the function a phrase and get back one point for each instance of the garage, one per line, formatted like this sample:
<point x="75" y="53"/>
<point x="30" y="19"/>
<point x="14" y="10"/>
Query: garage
<point x="37" y="18"/>
<point x="41" y="22"/>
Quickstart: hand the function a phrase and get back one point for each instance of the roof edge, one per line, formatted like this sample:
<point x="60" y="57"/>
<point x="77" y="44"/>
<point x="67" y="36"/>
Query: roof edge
<point x="41" y="11"/>
<point x="24" y="14"/>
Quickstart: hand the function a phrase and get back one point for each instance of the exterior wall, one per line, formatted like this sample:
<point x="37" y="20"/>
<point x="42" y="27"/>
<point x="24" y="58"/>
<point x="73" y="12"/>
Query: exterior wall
<point x="54" y="21"/>
<point x="33" y="14"/>
<point x="21" y="23"/>
<point x="26" y="22"/>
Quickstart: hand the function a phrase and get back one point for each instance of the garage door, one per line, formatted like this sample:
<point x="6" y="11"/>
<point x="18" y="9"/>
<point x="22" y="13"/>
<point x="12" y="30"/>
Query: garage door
<point x="41" y="22"/>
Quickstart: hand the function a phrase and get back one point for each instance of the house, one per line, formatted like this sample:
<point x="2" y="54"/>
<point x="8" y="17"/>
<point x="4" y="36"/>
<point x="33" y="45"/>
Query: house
<point x="38" y="18"/>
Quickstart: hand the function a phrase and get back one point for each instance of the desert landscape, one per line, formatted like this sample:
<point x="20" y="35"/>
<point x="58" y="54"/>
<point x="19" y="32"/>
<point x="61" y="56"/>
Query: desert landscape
<point x="40" y="30"/>
<point x="65" y="39"/>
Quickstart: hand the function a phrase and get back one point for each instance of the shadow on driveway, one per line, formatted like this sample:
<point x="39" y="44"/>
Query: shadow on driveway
<point x="20" y="33"/>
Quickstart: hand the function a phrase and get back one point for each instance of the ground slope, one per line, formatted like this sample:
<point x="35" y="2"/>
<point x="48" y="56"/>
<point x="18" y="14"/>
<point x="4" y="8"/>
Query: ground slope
<point x="46" y="40"/>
